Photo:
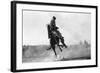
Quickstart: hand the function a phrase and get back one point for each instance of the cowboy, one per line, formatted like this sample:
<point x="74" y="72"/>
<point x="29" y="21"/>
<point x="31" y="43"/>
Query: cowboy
<point x="53" y="24"/>
<point x="54" y="30"/>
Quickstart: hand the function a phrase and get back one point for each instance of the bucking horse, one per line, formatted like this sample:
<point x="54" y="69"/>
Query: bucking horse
<point x="55" y="38"/>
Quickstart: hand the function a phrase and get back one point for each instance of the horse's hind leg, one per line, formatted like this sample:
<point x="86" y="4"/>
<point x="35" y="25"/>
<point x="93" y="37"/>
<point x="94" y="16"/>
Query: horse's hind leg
<point x="53" y="47"/>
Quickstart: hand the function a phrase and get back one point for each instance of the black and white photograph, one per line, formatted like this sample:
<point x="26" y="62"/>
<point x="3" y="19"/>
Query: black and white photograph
<point x="53" y="36"/>
<point x="56" y="36"/>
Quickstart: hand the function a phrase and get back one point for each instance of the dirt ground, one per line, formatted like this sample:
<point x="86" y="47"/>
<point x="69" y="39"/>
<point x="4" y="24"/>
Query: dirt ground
<point x="40" y="53"/>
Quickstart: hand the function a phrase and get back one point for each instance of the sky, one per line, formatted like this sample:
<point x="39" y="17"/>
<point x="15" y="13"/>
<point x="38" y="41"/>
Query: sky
<point x="75" y="27"/>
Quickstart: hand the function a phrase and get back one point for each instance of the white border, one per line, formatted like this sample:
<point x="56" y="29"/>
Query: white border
<point x="53" y="64"/>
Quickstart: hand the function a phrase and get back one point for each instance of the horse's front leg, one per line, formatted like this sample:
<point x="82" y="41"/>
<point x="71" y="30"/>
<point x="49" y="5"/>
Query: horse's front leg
<point x="60" y="48"/>
<point x="53" y="47"/>
<point x="59" y="45"/>
<point x="62" y="41"/>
